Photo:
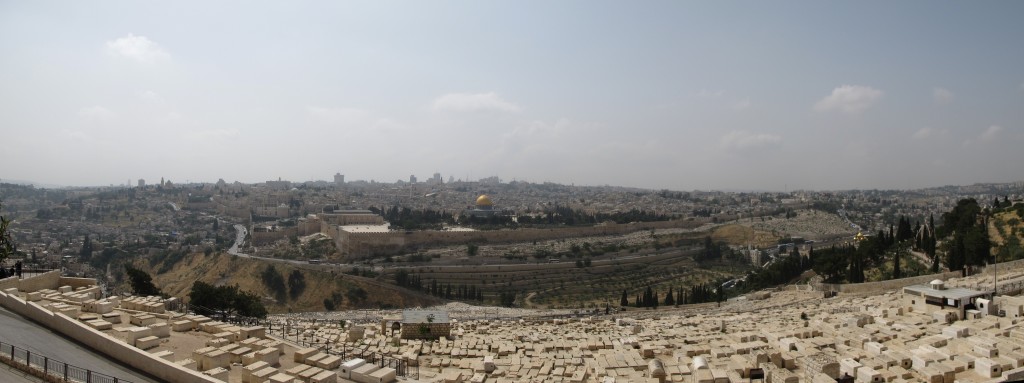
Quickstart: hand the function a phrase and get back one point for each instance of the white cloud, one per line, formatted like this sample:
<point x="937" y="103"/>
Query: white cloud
<point x="942" y="95"/>
<point x="707" y="94"/>
<point x="469" y="102"/>
<point x="991" y="133"/>
<point x="743" y="140"/>
<point x="212" y="134"/>
<point x="75" y="135"/>
<point x="849" y="99"/>
<point x="342" y="116"/>
<point x="741" y="104"/>
<point x="151" y="96"/>
<point x="96" y="113"/>
<point x="926" y="133"/>
<point x="138" y="48"/>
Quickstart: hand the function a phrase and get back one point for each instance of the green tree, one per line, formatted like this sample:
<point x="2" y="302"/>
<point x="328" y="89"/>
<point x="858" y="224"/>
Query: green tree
<point x="6" y="243"/>
<point x="624" y="301"/>
<point x="356" y="294"/>
<point x="472" y="249"/>
<point x="86" y="252"/>
<point x="970" y="244"/>
<point x="669" y="299"/>
<point x="897" y="253"/>
<point x="274" y="282"/>
<point x="832" y="263"/>
<point x="141" y="282"/>
<point x="296" y="284"/>
<point x="225" y="301"/>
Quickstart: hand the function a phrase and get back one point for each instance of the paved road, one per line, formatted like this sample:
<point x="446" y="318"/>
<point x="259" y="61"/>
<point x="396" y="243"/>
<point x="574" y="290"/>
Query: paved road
<point x="9" y="374"/>
<point x="21" y="332"/>
<point x="240" y="237"/>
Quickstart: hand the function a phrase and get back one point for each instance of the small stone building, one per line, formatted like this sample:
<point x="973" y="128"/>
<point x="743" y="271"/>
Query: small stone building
<point x="425" y="324"/>
<point x="935" y="297"/>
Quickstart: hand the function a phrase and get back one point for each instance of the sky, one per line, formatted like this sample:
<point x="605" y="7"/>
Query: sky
<point x="681" y="95"/>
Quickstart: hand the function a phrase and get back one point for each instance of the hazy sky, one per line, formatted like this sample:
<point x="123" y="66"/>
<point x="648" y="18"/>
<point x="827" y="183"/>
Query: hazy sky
<point x="681" y="95"/>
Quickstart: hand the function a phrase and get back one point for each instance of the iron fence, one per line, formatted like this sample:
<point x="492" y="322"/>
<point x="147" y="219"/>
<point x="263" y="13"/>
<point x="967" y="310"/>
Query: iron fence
<point x="50" y="367"/>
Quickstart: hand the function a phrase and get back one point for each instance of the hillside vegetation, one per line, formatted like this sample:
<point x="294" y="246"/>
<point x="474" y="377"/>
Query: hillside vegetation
<point x="318" y="287"/>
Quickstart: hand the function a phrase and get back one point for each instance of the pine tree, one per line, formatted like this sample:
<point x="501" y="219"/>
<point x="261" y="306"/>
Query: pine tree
<point x="86" y="252"/>
<point x="624" y="301"/>
<point x="896" y="262"/>
<point x="669" y="299"/>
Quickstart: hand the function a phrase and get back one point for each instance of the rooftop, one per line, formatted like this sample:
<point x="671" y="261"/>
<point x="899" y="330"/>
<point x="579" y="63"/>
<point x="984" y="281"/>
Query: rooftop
<point x="951" y="293"/>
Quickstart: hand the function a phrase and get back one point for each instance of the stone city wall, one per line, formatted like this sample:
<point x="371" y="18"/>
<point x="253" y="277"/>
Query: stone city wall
<point x="103" y="343"/>
<point x="366" y="244"/>
<point x="302" y="228"/>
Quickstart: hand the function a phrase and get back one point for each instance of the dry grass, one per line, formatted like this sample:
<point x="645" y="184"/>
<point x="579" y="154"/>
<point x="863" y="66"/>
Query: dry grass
<point x="740" y="235"/>
<point x="222" y="269"/>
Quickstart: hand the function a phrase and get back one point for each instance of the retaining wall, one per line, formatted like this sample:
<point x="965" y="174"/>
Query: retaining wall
<point x="364" y="244"/>
<point x="48" y="280"/>
<point x="103" y="343"/>
<point x="892" y="284"/>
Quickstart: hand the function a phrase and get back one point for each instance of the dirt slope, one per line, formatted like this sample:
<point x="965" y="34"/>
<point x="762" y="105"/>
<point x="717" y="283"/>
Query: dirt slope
<point x="223" y="269"/>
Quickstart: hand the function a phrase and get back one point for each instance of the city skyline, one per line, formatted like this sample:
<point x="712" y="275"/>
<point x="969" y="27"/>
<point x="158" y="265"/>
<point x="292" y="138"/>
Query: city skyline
<point x="658" y="95"/>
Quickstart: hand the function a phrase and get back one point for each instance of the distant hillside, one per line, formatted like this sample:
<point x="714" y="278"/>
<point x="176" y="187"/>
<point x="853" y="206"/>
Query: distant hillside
<point x="344" y="291"/>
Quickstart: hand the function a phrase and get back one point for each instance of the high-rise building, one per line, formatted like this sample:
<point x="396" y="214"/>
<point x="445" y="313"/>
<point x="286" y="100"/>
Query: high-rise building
<point x="339" y="179"/>
<point x="142" y="183"/>
<point x="412" y="179"/>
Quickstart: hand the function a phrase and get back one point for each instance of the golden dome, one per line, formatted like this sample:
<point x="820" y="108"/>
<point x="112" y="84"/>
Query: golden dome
<point x="484" y="200"/>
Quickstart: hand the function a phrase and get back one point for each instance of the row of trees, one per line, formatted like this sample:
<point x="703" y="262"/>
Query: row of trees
<point x="458" y="292"/>
<point x="699" y="293"/>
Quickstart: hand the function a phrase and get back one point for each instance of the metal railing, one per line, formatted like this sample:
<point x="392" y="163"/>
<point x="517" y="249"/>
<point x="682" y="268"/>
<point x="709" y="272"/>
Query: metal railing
<point x="39" y="364"/>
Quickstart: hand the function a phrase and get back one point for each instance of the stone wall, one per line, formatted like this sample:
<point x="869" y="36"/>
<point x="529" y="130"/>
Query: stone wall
<point x="366" y="244"/>
<point x="49" y="280"/>
<point x="302" y="228"/>
<point x="75" y="283"/>
<point x="103" y="343"/>
<point x="880" y="286"/>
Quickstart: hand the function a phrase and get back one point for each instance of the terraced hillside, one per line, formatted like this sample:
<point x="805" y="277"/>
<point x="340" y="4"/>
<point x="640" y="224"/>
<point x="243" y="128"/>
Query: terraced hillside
<point x="568" y="284"/>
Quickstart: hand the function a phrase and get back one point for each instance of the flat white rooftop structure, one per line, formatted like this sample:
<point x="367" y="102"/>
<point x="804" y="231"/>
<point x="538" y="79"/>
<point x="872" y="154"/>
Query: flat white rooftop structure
<point x="367" y="228"/>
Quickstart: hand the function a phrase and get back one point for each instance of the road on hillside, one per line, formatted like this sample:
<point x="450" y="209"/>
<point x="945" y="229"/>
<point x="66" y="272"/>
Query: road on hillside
<point x="30" y="336"/>
<point x="241" y="237"/>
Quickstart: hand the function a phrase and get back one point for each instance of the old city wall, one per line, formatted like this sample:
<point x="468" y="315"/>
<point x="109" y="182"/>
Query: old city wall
<point x="236" y="211"/>
<point x="362" y="244"/>
<point x="303" y="228"/>
<point x="109" y="346"/>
